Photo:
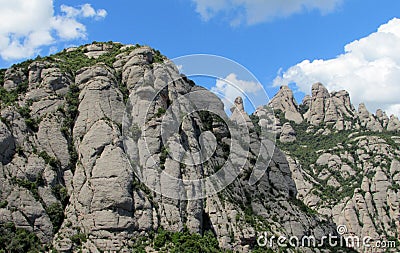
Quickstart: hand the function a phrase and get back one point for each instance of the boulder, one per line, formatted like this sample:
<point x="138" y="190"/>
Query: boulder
<point x="288" y="134"/>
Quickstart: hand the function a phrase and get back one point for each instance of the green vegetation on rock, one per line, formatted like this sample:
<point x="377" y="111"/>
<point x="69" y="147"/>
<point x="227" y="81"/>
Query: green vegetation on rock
<point x="18" y="240"/>
<point x="165" y="241"/>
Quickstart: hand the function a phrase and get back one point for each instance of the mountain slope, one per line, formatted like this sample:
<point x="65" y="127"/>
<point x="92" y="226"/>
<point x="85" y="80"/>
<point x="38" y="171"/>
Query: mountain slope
<point x="83" y="161"/>
<point x="345" y="163"/>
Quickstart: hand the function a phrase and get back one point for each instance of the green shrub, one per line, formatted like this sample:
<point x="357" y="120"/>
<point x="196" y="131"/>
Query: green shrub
<point x="185" y="242"/>
<point x="25" y="112"/>
<point x="161" y="111"/>
<point x="2" y="73"/>
<point x="161" y="239"/>
<point x="10" y="97"/>
<point x="303" y="207"/>
<point x="158" y="57"/>
<point x="78" y="239"/>
<point x="32" y="124"/>
<point x="163" y="157"/>
<point x="56" y="213"/>
<point x="3" y="204"/>
<point x="52" y="161"/>
<point x="71" y="113"/>
<point x="29" y="185"/>
<point x="61" y="193"/>
<point x="7" y="98"/>
<point x="18" y="240"/>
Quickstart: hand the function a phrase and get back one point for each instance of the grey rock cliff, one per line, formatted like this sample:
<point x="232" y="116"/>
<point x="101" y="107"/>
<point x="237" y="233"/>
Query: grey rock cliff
<point x="84" y="159"/>
<point x="284" y="101"/>
<point x="288" y="134"/>
<point x="332" y="109"/>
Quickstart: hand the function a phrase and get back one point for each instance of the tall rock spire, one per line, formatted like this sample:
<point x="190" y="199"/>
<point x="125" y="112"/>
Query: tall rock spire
<point x="284" y="101"/>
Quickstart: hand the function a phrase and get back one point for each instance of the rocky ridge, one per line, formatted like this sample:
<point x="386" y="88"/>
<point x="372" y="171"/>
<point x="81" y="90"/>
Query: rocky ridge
<point x="66" y="176"/>
<point x="344" y="162"/>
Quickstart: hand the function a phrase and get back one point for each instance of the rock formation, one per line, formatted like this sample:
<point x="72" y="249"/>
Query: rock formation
<point x="331" y="109"/>
<point x="288" y="134"/>
<point x="285" y="102"/>
<point x="90" y="142"/>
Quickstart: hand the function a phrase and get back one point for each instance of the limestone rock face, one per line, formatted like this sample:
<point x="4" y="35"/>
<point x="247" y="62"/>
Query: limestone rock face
<point x="353" y="178"/>
<point x="315" y="114"/>
<point x="13" y="77"/>
<point x="239" y="115"/>
<point x="96" y="50"/>
<point x="383" y="118"/>
<point x="87" y="156"/>
<point x="372" y="198"/>
<point x="288" y="134"/>
<point x="393" y="124"/>
<point x="7" y="144"/>
<point x="333" y="109"/>
<point x="368" y="120"/>
<point x="284" y="101"/>
<point x="307" y="101"/>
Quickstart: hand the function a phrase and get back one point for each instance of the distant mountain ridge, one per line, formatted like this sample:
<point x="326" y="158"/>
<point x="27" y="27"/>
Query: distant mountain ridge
<point x="334" y="109"/>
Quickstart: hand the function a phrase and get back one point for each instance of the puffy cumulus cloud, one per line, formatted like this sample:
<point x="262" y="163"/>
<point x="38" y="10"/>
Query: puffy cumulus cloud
<point x="229" y="88"/>
<point x="29" y="25"/>
<point x="257" y="11"/>
<point x="369" y="70"/>
<point x="86" y="11"/>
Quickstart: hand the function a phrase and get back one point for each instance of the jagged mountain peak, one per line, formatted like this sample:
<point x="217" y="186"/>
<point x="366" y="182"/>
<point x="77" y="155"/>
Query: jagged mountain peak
<point x="319" y="90"/>
<point x="284" y="101"/>
<point x="333" y="108"/>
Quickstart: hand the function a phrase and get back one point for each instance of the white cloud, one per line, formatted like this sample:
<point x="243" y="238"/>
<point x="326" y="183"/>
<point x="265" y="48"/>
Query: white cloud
<point x="257" y="11"/>
<point x="86" y="11"/>
<point x="369" y="69"/>
<point x="231" y="87"/>
<point x="28" y="25"/>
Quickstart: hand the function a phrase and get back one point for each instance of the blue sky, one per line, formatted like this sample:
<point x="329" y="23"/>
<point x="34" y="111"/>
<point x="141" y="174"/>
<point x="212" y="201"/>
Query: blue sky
<point x="278" y="41"/>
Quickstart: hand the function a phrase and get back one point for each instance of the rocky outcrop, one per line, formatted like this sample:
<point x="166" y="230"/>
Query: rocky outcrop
<point x="371" y="208"/>
<point x="13" y="77"/>
<point x="284" y="101"/>
<point x="383" y="118"/>
<point x="368" y="120"/>
<point x="393" y="124"/>
<point x="288" y="134"/>
<point x="97" y="49"/>
<point x="332" y="109"/>
<point x="101" y="157"/>
<point x="7" y="144"/>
